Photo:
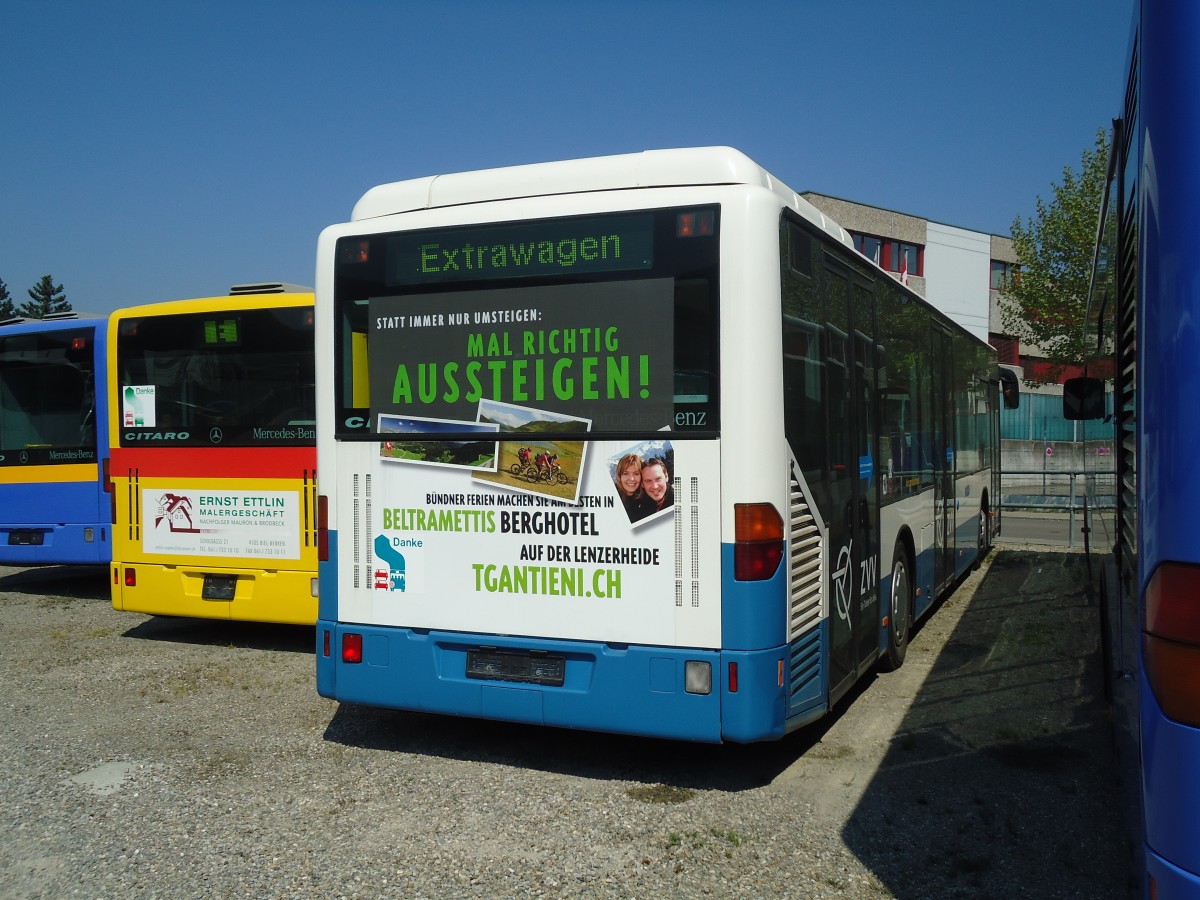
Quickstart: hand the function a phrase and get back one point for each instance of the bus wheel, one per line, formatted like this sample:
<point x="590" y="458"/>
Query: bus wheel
<point x="985" y="536"/>
<point x="900" y="609"/>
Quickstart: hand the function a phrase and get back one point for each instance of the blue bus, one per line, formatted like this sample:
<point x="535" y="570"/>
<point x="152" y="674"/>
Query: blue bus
<point x="53" y="441"/>
<point x="638" y="444"/>
<point x="1143" y="324"/>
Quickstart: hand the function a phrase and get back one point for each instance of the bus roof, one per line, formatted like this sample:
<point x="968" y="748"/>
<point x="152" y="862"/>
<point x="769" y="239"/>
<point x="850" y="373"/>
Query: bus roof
<point x="648" y="169"/>
<point x="248" y="300"/>
<point x="268" y="287"/>
<point x="65" y="319"/>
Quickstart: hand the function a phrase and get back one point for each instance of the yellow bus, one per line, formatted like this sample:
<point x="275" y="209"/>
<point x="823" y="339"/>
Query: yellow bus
<point x="212" y="465"/>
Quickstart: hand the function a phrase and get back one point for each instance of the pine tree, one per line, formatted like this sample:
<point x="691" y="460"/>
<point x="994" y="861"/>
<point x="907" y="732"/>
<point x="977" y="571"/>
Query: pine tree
<point x="45" y="297"/>
<point x="7" y="309"/>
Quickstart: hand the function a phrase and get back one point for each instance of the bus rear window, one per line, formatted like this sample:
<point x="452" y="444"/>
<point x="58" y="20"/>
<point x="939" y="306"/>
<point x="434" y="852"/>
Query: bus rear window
<point x="598" y="324"/>
<point x="240" y="378"/>
<point x="47" y="398"/>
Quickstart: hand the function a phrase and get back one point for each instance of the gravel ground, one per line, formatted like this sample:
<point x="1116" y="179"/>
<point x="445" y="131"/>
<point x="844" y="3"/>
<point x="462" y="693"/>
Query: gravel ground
<point x="150" y="757"/>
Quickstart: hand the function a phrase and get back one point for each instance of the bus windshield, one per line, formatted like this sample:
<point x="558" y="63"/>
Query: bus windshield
<point x="604" y="323"/>
<point x="237" y="378"/>
<point x="47" y="398"/>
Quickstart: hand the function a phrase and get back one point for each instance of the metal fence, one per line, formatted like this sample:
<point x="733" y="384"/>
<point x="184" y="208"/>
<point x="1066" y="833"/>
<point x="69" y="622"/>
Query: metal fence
<point x="1060" y="492"/>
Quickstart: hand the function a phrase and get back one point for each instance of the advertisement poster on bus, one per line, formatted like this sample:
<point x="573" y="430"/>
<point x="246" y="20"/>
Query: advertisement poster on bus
<point x="202" y="522"/>
<point x="539" y="529"/>
<point x="601" y="352"/>
<point x="501" y="552"/>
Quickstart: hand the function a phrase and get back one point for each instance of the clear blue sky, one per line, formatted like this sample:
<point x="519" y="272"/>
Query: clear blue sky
<point x="160" y="150"/>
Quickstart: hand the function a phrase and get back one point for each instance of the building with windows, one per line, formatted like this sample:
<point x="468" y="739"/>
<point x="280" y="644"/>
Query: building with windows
<point x="959" y="271"/>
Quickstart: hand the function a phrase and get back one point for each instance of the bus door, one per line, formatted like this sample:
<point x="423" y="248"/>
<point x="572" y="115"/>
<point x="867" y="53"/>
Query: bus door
<point x="850" y="365"/>
<point x="943" y="461"/>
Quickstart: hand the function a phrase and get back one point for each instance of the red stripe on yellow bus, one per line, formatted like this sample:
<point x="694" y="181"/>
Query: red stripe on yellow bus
<point x="215" y="462"/>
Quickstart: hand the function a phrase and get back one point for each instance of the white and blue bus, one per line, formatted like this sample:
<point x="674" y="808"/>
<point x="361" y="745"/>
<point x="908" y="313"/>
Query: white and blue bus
<point x="636" y="444"/>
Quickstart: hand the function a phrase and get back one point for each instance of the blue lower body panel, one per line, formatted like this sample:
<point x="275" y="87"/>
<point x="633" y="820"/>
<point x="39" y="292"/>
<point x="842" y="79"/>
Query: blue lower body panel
<point x="635" y="690"/>
<point x="1170" y="792"/>
<point x="925" y="580"/>
<point x="809" y="681"/>
<point x="1170" y="882"/>
<point x="622" y="689"/>
<point x="42" y="544"/>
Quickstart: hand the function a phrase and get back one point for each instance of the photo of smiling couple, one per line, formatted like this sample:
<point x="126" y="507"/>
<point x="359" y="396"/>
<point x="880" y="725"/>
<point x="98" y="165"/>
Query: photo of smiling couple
<point x="642" y="477"/>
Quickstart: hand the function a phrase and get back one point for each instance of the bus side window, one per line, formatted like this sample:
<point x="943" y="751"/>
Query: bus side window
<point x="895" y="433"/>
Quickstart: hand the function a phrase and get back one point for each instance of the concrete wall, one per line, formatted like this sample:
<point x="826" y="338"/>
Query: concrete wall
<point x="1064" y="456"/>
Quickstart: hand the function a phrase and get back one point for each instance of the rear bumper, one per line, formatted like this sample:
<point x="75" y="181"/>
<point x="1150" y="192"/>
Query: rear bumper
<point x="614" y="688"/>
<point x="283" y="596"/>
<point x="42" y="544"/>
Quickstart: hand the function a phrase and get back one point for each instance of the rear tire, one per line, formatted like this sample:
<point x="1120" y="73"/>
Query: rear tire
<point x="900" y="609"/>
<point x="985" y="535"/>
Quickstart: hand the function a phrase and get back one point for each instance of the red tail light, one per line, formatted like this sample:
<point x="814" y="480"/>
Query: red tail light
<point x="758" y="541"/>
<point x="694" y="224"/>
<point x="130" y="577"/>
<point x="1171" y="640"/>
<point x="351" y="648"/>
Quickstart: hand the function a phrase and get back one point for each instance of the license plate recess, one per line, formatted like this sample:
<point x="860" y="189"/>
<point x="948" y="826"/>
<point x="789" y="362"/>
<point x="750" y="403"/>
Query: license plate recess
<point x="219" y="587"/>
<point x="525" y="666"/>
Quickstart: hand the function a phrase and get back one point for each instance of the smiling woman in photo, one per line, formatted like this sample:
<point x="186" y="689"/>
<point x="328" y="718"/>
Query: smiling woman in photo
<point x="629" y="483"/>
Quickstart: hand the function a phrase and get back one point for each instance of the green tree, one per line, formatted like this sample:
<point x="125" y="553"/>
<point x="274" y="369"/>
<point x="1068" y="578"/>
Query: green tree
<point x="1044" y="303"/>
<point x="45" y="297"/>
<point x="7" y="309"/>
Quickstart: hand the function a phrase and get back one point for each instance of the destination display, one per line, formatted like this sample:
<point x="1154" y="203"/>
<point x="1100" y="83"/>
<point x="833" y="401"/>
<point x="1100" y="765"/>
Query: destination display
<point x="550" y="247"/>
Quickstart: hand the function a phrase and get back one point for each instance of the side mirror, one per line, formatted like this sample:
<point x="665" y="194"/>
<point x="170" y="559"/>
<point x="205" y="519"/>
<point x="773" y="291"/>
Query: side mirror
<point x="1010" y="389"/>
<point x="1083" y="398"/>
